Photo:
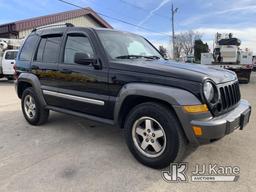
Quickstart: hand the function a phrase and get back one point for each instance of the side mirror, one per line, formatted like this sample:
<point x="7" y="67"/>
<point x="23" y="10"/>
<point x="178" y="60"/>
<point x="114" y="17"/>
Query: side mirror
<point x="84" y="59"/>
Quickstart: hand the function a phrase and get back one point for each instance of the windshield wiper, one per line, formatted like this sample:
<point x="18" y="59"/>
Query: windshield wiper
<point x="151" y="57"/>
<point x="129" y="57"/>
<point x="136" y="57"/>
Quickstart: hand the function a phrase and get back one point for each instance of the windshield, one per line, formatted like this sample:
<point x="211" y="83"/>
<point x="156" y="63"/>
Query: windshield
<point x="121" y="45"/>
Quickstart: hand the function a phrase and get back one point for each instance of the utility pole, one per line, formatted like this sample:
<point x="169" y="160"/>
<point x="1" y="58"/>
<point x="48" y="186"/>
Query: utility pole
<point x="173" y="33"/>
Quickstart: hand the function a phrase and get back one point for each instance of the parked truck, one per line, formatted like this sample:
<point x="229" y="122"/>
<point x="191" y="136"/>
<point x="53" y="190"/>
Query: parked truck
<point x="227" y="54"/>
<point x="8" y="53"/>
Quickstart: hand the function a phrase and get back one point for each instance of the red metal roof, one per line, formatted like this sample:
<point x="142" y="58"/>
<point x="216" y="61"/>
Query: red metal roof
<point x="17" y="26"/>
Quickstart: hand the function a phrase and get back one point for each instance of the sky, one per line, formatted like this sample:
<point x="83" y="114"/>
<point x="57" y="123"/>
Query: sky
<point x="153" y="17"/>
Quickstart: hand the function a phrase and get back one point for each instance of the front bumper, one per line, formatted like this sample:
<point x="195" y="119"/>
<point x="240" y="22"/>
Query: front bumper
<point x="214" y="128"/>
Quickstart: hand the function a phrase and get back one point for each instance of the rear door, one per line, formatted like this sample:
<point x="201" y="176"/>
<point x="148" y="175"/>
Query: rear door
<point x="45" y="64"/>
<point x="8" y="62"/>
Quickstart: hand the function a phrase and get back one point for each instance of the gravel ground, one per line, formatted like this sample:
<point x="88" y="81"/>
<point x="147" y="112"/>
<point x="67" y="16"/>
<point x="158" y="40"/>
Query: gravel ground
<point x="73" y="154"/>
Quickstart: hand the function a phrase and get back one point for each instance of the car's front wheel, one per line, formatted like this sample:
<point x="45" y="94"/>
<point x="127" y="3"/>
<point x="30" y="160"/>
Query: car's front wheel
<point x="153" y="135"/>
<point x="32" y="109"/>
<point x="10" y="78"/>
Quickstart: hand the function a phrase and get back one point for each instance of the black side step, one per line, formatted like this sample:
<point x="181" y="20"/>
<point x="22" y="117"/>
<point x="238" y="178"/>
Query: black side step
<point x="74" y="113"/>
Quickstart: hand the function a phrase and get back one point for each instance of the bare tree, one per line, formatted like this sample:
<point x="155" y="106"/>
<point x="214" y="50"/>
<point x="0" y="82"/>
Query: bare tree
<point x="184" y="42"/>
<point x="163" y="51"/>
<point x="178" y="47"/>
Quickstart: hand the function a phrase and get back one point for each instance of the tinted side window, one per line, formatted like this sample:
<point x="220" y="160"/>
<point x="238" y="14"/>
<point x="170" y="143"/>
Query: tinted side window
<point x="77" y="44"/>
<point x="48" y="49"/>
<point x="40" y="50"/>
<point x="51" y="49"/>
<point x="28" y="48"/>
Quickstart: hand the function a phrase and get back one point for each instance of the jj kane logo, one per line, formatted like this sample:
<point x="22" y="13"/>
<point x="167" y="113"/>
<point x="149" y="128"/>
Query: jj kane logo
<point x="176" y="173"/>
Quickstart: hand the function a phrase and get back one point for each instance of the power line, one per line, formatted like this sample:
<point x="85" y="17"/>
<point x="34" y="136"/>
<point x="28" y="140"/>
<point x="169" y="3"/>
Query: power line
<point x="113" y="18"/>
<point x="145" y="10"/>
<point x="113" y="10"/>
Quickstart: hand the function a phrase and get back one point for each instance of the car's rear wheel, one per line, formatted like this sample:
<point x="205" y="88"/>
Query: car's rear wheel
<point x="32" y="109"/>
<point x="153" y="135"/>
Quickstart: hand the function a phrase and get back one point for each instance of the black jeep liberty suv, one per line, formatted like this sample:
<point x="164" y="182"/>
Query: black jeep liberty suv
<point x="121" y="79"/>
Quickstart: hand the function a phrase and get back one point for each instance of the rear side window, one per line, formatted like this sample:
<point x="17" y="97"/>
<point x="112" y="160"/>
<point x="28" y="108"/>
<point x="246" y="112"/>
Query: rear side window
<point x="77" y="44"/>
<point x="40" y="50"/>
<point x="48" y="49"/>
<point x="28" y="48"/>
<point x="11" y="55"/>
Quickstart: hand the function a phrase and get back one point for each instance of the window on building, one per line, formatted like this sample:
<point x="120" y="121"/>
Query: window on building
<point x="77" y="44"/>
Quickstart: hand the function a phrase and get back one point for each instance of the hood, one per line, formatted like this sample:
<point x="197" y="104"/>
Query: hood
<point x="192" y="72"/>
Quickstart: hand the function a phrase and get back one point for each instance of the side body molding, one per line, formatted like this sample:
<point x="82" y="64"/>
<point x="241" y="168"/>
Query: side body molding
<point x="174" y="96"/>
<point x="34" y="81"/>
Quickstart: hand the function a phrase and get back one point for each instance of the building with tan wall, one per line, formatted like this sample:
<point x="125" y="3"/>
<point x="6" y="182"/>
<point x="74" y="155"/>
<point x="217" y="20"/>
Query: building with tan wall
<point x="79" y="17"/>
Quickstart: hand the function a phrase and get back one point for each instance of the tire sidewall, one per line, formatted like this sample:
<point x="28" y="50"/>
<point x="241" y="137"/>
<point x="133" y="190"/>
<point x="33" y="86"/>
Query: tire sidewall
<point x="35" y="119"/>
<point x="170" y="126"/>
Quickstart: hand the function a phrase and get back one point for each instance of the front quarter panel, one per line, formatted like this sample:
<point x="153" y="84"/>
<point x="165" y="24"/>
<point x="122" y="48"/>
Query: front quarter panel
<point x="174" y="96"/>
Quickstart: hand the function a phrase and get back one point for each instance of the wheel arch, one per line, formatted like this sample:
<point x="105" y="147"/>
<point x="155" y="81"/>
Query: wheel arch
<point x="135" y="93"/>
<point x="22" y="85"/>
<point x="133" y="100"/>
<point x="26" y="80"/>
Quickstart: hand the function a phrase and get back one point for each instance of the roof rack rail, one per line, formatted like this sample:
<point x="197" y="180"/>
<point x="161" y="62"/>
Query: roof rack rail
<point x="54" y="25"/>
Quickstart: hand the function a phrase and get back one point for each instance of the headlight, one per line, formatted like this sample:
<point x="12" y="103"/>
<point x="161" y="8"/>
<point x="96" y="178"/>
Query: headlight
<point x="209" y="91"/>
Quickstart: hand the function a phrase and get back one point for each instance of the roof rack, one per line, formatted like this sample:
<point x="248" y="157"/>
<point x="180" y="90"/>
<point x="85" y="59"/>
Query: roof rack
<point x="53" y="25"/>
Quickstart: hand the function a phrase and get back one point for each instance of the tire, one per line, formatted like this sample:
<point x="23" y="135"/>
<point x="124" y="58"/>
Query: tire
<point x="246" y="81"/>
<point x="163" y="119"/>
<point x="249" y="79"/>
<point x="40" y="114"/>
<point x="10" y="78"/>
<point x="245" y="78"/>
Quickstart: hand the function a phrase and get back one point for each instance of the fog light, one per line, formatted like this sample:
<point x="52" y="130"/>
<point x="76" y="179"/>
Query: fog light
<point x="197" y="131"/>
<point x="195" y="108"/>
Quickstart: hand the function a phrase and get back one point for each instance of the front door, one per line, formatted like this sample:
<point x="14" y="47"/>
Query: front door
<point x="82" y="88"/>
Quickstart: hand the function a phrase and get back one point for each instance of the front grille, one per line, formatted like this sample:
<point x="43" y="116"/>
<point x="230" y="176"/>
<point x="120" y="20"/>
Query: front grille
<point x="230" y="95"/>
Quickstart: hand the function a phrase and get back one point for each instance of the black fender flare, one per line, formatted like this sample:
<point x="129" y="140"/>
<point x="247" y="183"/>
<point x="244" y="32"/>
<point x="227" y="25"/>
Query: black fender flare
<point x="171" y="95"/>
<point x="34" y="81"/>
<point x="174" y="96"/>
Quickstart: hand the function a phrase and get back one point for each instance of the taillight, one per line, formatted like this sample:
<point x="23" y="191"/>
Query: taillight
<point x="15" y="75"/>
